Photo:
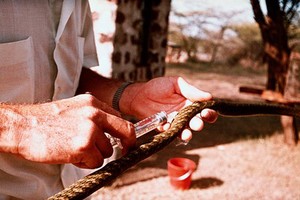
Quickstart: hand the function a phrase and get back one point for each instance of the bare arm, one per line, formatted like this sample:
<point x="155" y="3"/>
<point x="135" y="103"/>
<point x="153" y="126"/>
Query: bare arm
<point x="100" y="87"/>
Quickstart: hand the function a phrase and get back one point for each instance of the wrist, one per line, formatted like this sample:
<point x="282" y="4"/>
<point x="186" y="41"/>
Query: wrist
<point x="127" y="97"/>
<point x="118" y="94"/>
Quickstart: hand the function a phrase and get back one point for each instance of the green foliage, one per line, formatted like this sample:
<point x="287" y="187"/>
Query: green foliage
<point x="247" y="31"/>
<point x="188" y="43"/>
<point x="251" y="44"/>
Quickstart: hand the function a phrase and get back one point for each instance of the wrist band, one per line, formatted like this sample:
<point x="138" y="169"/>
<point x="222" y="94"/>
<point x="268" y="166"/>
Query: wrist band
<point x="118" y="94"/>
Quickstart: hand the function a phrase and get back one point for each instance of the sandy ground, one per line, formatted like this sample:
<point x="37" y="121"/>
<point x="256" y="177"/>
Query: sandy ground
<point x="237" y="158"/>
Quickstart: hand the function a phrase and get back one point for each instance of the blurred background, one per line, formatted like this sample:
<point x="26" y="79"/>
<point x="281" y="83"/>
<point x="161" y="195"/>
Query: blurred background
<point x="235" y="49"/>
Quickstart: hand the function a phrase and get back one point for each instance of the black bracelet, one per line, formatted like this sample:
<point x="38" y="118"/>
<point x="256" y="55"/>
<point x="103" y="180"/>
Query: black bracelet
<point x="118" y="94"/>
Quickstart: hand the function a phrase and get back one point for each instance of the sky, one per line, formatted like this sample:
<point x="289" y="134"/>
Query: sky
<point x="218" y="5"/>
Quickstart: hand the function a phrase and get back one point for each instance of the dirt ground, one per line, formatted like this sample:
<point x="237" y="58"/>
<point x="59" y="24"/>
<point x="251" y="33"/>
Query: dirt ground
<point x="237" y="158"/>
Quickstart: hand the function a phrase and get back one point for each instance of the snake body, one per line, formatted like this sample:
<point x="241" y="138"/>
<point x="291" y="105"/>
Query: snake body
<point x="102" y="177"/>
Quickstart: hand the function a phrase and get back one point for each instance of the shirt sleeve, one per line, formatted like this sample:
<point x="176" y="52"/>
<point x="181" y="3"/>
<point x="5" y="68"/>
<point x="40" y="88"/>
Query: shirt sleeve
<point x="90" y="54"/>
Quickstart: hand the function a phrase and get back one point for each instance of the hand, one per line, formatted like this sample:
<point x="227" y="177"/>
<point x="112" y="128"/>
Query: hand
<point x="72" y="131"/>
<point x="168" y="94"/>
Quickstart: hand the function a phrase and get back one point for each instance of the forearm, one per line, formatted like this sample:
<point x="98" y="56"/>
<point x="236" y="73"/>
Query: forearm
<point x="10" y="123"/>
<point x="100" y="87"/>
<point x="104" y="89"/>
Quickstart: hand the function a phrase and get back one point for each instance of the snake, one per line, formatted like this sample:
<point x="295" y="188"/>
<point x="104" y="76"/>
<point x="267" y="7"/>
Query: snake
<point x="104" y="176"/>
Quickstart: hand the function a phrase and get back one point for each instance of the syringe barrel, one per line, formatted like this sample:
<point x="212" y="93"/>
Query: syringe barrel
<point x="142" y="127"/>
<point x="150" y="123"/>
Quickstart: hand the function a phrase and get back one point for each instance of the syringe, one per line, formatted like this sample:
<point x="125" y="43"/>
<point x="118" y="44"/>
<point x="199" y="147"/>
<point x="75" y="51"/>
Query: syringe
<point x="142" y="127"/>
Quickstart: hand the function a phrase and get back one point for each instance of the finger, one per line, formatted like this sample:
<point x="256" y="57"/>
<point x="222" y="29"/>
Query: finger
<point x="94" y="159"/>
<point x="164" y="127"/>
<point x="91" y="159"/>
<point x="190" y="92"/>
<point x="209" y="115"/>
<point x="120" y="128"/>
<point x="186" y="135"/>
<point x="196" y="123"/>
<point x="80" y="165"/>
<point x="103" y="145"/>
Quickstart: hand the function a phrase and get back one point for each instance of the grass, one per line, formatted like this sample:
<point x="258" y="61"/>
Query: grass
<point x="219" y="68"/>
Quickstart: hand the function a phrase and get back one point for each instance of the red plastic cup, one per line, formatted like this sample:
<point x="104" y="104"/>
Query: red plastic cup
<point x="180" y="171"/>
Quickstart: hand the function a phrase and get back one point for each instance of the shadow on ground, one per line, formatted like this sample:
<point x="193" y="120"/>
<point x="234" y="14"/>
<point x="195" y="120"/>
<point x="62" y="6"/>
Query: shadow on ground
<point x="231" y="129"/>
<point x="206" y="182"/>
<point x="225" y="130"/>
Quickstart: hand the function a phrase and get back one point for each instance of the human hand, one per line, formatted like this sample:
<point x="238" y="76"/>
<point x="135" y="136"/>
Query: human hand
<point x="71" y="131"/>
<point x="168" y="94"/>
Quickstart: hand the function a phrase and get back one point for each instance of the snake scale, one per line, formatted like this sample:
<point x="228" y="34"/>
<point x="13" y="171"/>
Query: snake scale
<point x="102" y="177"/>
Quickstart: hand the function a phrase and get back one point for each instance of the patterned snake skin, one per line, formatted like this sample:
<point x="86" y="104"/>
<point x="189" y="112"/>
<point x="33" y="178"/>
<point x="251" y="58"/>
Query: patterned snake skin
<point x="91" y="183"/>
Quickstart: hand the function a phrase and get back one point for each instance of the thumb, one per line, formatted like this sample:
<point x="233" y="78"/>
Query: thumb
<point x="192" y="93"/>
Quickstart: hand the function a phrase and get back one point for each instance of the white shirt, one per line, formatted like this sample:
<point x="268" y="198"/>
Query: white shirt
<point x="41" y="60"/>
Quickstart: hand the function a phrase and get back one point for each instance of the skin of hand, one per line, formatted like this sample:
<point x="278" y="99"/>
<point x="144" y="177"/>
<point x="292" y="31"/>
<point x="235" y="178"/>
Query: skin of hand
<point x="168" y="94"/>
<point x="145" y="99"/>
<point x="69" y="131"/>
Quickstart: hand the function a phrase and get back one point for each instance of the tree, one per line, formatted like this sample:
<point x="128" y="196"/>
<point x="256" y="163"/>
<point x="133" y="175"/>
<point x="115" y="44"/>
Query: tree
<point x="248" y="51"/>
<point x="274" y="31"/>
<point x="187" y="30"/>
<point x="193" y="28"/>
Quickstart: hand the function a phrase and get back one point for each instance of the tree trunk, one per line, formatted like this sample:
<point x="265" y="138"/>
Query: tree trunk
<point x="140" y="41"/>
<point x="277" y="56"/>
<point x="275" y="42"/>
<point x="217" y="45"/>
